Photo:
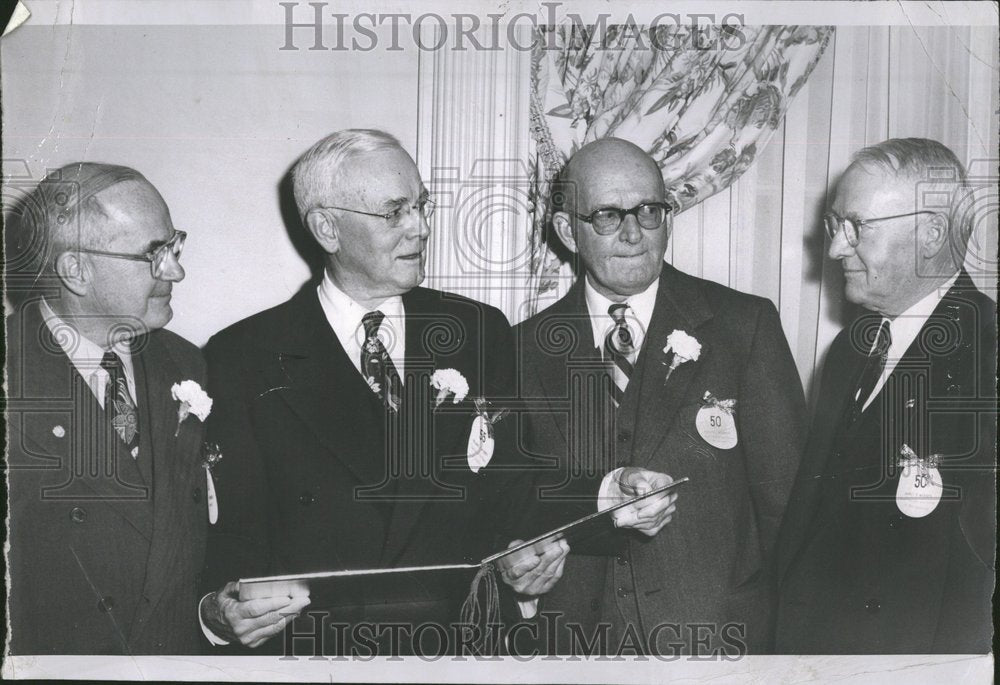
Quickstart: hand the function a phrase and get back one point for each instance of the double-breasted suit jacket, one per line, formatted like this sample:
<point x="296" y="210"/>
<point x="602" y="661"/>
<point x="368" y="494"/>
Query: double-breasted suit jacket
<point x="858" y="575"/>
<point x="105" y="551"/>
<point x="317" y="476"/>
<point x="712" y="563"/>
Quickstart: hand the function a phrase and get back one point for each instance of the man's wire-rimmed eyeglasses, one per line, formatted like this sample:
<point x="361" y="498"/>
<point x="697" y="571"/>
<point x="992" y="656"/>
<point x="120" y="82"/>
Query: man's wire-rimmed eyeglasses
<point x="396" y="217"/>
<point x="834" y="223"/>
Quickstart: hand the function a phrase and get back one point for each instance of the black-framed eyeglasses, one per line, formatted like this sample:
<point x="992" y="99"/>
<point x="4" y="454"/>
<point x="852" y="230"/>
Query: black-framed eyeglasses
<point x="834" y="223"/>
<point x="607" y="220"/>
<point x="396" y="217"/>
<point x="157" y="257"/>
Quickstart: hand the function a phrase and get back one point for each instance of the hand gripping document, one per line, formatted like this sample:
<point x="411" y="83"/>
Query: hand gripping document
<point x="342" y="588"/>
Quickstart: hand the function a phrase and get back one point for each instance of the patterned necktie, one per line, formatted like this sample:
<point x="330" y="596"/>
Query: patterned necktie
<point x="118" y="403"/>
<point x="874" y="366"/>
<point x="376" y="364"/>
<point x="619" y="348"/>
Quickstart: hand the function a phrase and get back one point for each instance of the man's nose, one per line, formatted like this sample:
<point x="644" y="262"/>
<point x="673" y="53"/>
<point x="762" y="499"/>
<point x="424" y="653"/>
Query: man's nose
<point x="839" y="247"/>
<point x="420" y="226"/>
<point x="630" y="231"/>
<point x="172" y="270"/>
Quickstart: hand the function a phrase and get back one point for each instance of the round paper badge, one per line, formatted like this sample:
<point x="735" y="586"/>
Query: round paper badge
<point x="919" y="491"/>
<point x="717" y="427"/>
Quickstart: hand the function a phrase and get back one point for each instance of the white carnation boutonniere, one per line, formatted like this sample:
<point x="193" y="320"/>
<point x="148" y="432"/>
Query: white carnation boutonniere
<point x="685" y="348"/>
<point x="193" y="400"/>
<point x="449" y="381"/>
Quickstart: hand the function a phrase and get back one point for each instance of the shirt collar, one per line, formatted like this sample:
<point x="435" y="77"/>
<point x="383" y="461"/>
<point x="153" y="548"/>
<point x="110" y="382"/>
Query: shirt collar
<point x="639" y="315"/>
<point x="344" y="314"/>
<point x="85" y="354"/>
<point x="907" y="325"/>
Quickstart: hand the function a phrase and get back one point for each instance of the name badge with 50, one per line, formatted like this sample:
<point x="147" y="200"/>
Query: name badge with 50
<point x="919" y="489"/>
<point x="716" y="422"/>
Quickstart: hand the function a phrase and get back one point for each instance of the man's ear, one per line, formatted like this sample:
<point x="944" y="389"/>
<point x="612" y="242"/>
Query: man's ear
<point x="933" y="236"/>
<point x="323" y="228"/>
<point x="73" y="273"/>
<point x="564" y="229"/>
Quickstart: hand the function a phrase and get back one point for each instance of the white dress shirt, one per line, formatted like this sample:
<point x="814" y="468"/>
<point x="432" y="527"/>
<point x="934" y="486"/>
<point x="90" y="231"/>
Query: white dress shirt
<point x="344" y="316"/>
<point x="638" y="317"/>
<point x="904" y="330"/>
<point x="86" y="355"/>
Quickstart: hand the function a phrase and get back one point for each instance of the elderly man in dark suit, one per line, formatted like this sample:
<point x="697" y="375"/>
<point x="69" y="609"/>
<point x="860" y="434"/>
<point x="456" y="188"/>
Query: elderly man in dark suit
<point x="350" y="418"/>
<point x="641" y="371"/>
<point x="107" y="493"/>
<point x="889" y="542"/>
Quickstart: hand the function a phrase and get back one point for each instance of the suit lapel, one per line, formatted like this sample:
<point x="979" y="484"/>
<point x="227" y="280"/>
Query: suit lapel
<point x="655" y="402"/>
<point x="311" y="371"/>
<point x="172" y="458"/>
<point x="414" y="492"/>
<point x="567" y="321"/>
<point x="830" y="411"/>
<point x="51" y="374"/>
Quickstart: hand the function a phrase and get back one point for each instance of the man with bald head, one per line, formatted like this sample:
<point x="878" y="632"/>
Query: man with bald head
<point x="889" y="542"/>
<point x="352" y="420"/>
<point x="107" y="511"/>
<point x="642" y="374"/>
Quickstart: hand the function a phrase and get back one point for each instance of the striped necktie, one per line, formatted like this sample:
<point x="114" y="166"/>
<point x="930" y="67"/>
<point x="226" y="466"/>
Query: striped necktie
<point x="619" y="349"/>
<point x="118" y="403"/>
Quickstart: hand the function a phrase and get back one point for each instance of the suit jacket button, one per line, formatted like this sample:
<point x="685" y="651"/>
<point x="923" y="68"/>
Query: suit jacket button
<point x="622" y="560"/>
<point x="78" y="515"/>
<point x="306" y="498"/>
<point x="872" y="606"/>
<point x="196" y="495"/>
<point x="623" y="592"/>
<point x="595" y="604"/>
<point x="106" y="604"/>
<point x="624" y="436"/>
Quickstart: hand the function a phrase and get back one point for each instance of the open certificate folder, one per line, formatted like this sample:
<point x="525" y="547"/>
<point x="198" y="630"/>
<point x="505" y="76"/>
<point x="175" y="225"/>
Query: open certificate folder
<point x="344" y="587"/>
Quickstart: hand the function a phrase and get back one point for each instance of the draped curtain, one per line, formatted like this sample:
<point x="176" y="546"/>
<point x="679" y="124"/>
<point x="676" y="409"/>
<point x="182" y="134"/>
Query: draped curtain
<point x="703" y="114"/>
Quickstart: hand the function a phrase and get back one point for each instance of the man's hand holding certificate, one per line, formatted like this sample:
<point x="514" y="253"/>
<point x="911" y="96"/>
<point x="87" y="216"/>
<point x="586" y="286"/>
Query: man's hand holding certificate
<point x="250" y="622"/>
<point x="534" y="570"/>
<point x="647" y="515"/>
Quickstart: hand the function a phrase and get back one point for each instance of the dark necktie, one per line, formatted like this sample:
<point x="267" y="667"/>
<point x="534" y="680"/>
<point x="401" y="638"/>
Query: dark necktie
<point x="118" y="403"/>
<point x="874" y="366"/>
<point x="619" y="348"/>
<point x="376" y="364"/>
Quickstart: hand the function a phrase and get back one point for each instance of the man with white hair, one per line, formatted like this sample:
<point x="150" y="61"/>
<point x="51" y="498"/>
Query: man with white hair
<point x="106" y="490"/>
<point x="888" y="544"/>
<point x="353" y="423"/>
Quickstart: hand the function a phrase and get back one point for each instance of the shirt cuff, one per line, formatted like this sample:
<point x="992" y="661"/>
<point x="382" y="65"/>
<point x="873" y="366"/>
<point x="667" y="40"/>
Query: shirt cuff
<point x="528" y="607"/>
<point x="609" y="493"/>
<point x="209" y="635"/>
